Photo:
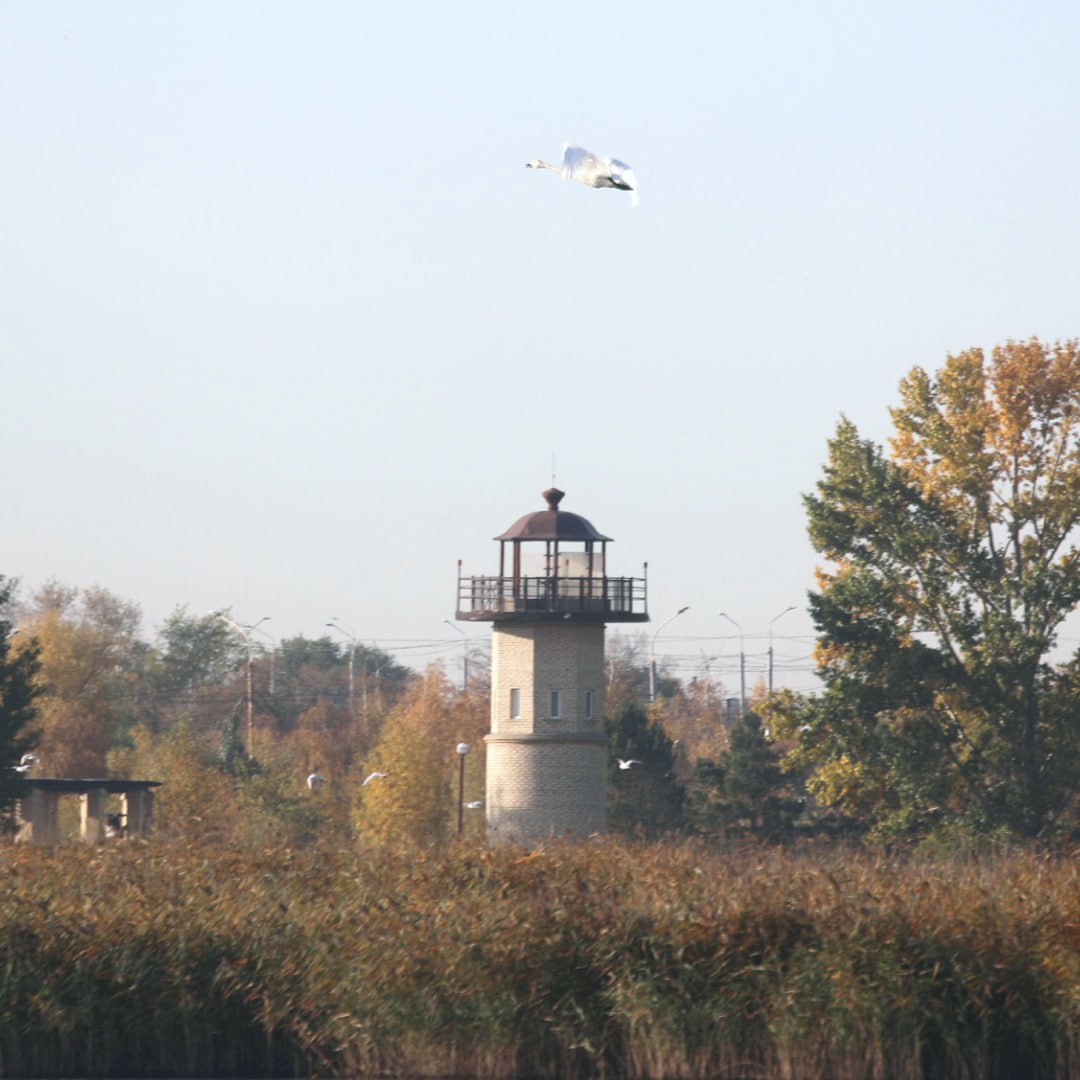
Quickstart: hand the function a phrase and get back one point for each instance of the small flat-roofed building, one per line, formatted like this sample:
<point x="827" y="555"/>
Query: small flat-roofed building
<point x="37" y="808"/>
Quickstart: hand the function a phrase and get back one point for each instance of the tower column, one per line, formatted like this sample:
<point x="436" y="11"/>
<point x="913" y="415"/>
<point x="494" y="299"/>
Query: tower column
<point x="547" y="751"/>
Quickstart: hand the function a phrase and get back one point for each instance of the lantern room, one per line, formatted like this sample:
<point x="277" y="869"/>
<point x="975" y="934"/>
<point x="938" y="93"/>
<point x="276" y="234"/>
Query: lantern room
<point x="552" y="565"/>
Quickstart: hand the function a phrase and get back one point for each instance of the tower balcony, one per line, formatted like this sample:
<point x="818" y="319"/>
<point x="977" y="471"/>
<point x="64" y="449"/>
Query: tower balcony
<point x="543" y="599"/>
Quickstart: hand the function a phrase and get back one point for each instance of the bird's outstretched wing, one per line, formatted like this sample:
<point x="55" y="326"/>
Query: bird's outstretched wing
<point x="581" y="164"/>
<point x="621" y="171"/>
<point x="595" y="171"/>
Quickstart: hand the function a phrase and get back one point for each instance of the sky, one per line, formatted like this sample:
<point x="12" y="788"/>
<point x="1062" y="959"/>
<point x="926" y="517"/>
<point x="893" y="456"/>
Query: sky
<point x="287" y="328"/>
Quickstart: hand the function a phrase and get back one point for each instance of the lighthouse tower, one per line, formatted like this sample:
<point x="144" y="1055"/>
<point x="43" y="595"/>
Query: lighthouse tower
<point x="549" y="604"/>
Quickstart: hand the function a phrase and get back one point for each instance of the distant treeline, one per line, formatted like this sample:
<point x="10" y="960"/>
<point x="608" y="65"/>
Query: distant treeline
<point x="154" y="958"/>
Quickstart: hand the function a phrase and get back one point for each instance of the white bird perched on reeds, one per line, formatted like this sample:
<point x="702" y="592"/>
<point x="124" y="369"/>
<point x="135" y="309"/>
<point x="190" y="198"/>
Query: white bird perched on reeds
<point x="314" y="780"/>
<point x="627" y="763"/>
<point x="372" y="776"/>
<point x="26" y="763"/>
<point x="592" y="170"/>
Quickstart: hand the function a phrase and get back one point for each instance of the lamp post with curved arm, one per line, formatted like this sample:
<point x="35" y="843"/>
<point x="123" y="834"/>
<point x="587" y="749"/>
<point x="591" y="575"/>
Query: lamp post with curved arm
<point x="245" y="632"/>
<point x="652" y="652"/>
<point x="464" y="654"/>
<point x="273" y="654"/>
<point x="462" y="749"/>
<point x="351" y="639"/>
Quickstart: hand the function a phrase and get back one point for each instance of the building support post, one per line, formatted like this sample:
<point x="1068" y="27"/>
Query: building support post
<point x="92" y="816"/>
<point x="137" y="808"/>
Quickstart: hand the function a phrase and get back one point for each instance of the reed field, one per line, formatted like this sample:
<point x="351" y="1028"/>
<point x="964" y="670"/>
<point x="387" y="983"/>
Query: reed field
<point x="160" y="958"/>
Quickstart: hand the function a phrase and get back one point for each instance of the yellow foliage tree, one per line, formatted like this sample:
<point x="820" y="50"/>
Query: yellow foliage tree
<point x="417" y="798"/>
<point x="196" y="799"/>
<point x="694" y="720"/>
<point x="90" y="650"/>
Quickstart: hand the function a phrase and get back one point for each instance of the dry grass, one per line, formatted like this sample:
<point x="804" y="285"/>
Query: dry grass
<point x="146" y="958"/>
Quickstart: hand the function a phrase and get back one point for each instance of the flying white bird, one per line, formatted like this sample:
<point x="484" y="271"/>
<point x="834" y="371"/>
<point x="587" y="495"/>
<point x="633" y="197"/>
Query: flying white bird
<point x="473" y="805"/>
<point x="314" y="780"/>
<point x="372" y="776"/>
<point x="627" y="764"/>
<point x="26" y="763"/>
<point x="594" y="171"/>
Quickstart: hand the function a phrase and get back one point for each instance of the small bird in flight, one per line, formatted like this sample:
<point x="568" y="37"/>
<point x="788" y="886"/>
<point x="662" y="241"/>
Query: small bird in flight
<point x="314" y="780"/>
<point x="592" y="170"/>
<point x="372" y="776"/>
<point x="473" y="805"/>
<point x="26" y="763"/>
<point x="626" y="764"/>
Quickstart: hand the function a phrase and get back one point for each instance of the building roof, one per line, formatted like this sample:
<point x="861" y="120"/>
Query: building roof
<point x="552" y="524"/>
<point x="68" y="786"/>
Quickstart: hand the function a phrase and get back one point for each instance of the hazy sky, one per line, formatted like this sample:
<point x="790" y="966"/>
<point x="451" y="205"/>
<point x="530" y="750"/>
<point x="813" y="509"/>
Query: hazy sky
<point x="287" y="327"/>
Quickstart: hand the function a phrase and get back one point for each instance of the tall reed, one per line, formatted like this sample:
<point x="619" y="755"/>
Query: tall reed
<point x="161" y="959"/>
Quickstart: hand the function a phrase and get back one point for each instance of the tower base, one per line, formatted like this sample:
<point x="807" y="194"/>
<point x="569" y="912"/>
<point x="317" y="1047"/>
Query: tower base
<point x="546" y="786"/>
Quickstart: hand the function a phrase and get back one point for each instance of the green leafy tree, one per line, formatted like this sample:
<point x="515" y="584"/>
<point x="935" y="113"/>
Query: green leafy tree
<point x="745" y="791"/>
<point x="18" y="689"/>
<point x="644" y="799"/>
<point x="955" y="561"/>
<point x="196" y="674"/>
<point x="364" y="680"/>
<point x="196" y="651"/>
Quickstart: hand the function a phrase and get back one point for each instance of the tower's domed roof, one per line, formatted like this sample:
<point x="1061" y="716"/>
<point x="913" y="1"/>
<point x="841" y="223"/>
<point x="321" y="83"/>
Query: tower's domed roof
<point x="552" y="524"/>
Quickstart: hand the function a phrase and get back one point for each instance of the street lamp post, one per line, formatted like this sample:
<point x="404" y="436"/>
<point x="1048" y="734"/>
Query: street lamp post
<point x="273" y="653"/>
<point x="652" y="653"/>
<point x="245" y="632"/>
<point x="351" y="638"/>
<point x="771" y="621"/>
<point x="742" y="665"/>
<point x="462" y="749"/>
<point x="464" y="654"/>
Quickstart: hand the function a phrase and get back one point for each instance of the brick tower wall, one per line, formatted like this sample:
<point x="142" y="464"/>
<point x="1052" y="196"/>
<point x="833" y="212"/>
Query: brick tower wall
<point x="547" y="774"/>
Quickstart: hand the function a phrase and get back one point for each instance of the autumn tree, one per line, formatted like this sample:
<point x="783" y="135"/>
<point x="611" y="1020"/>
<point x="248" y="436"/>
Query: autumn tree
<point x="417" y="798"/>
<point x="626" y="657"/>
<point x="693" y="715"/>
<point x="361" y="679"/>
<point x="954" y="563"/>
<point x="92" y="658"/>
<point x="18" y="689"/>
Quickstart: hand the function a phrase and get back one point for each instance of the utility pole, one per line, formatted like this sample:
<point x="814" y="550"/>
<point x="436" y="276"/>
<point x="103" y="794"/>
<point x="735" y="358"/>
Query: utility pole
<point x="775" y="617"/>
<point x="742" y="665"/>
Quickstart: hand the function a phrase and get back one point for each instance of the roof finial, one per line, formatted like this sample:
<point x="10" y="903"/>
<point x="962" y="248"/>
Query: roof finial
<point x="554" y="497"/>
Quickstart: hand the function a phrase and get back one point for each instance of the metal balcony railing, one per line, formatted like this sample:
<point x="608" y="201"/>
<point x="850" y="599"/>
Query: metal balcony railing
<point x="612" y="599"/>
